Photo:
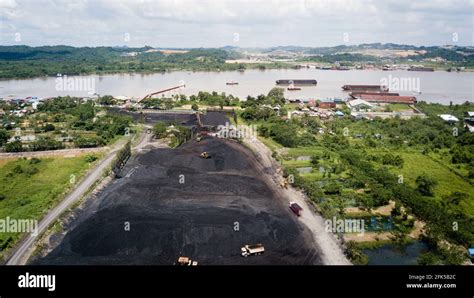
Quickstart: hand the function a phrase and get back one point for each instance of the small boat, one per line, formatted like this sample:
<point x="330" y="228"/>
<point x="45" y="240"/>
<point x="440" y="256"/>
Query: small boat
<point x="292" y="87"/>
<point x="232" y="83"/>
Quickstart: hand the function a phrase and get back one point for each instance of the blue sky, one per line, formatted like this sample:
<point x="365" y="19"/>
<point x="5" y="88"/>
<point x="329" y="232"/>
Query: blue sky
<point x="244" y="23"/>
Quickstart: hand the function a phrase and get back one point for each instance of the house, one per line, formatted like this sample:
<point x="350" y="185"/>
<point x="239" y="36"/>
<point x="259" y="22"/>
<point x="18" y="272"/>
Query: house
<point x="469" y="117"/>
<point x="327" y="105"/>
<point x="448" y="118"/>
<point x="359" y="104"/>
<point x="409" y="100"/>
<point x="469" y="128"/>
<point x="25" y="138"/>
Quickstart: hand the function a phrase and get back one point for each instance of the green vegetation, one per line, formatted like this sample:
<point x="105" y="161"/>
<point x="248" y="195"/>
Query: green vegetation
<point x="29" y="188"/>
<point x="159" y="129"/>
<point x="65" y="122"/>
<point x="178" y="134"/>
<point x="28" y="62"/>
<point x="202" y="98"/>
<point x="419" y="163"/>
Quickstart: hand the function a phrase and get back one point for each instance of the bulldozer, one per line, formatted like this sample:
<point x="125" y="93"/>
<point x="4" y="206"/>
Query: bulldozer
<point x="205" y="155"/>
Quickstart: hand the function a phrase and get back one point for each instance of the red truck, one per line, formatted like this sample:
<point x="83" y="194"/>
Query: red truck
<point x="296" y="208"/>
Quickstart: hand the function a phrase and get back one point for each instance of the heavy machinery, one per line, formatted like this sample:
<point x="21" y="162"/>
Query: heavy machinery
<point x="185" y="261"/>
<point x="205" y="155"/>
<point x="249" y="250"/>
<point x="284" y="184"/>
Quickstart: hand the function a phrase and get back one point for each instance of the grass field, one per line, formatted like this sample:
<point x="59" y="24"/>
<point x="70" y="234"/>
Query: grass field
<point x="397" y="107"/>
<point x="418" y="164"/>
<point x="304" y="151"/>
<point x="28" y="190"/>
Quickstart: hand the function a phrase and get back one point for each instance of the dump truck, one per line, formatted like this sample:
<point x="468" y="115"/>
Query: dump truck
<point x="185" y="261"/>
<point x="249" y="250"/>
<point x="205" y="155"/>
<point x="296" y="208"/>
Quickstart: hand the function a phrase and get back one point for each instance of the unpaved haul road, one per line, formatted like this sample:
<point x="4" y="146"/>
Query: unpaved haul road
<point x="330" y="250"/>
<point x="26" y="247"/>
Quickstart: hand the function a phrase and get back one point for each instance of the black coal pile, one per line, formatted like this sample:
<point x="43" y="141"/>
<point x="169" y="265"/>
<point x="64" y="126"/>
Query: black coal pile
<point x="172" y="202"/>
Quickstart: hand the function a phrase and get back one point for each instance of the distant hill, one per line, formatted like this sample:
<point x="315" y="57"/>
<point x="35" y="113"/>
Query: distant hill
<point x="25" y="61"/>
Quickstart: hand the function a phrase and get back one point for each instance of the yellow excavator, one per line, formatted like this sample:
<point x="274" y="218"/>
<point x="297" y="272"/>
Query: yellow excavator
<point x="205" y="155"/>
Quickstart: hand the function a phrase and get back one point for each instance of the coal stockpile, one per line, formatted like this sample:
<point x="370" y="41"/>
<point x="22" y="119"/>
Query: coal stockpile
<point x="181" y="119"/>
<point x="172" y="203"/>
<point x="214" y="118"/>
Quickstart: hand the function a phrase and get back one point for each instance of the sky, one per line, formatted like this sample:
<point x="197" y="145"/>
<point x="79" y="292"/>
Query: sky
<point x="241" y="23"/>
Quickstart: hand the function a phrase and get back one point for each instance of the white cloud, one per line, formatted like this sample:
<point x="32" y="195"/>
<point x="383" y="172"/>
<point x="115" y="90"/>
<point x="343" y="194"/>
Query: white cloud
<point x="211" y="23"/>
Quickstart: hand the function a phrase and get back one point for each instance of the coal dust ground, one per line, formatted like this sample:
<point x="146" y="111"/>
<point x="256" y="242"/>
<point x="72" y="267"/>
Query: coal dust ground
<point x="176" y="203"/>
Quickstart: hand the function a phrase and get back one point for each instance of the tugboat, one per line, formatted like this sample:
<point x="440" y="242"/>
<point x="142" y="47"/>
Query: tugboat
<point x="293" y="88"/>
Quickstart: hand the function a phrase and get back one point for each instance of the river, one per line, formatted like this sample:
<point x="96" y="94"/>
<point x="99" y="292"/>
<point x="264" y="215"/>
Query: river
<point x="438" y="86"/>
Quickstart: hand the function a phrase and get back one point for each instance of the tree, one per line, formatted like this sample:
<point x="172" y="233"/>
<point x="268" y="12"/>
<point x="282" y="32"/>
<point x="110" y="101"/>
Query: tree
<point x="46" y="143"/>
<point x="355" y="254"/>
<point x="49" y="127"/>
<point x="3" y="137"/>
<point x="315" y="160"/>
<point x="160" y="129"/>
<point x="107" y="100"/>
<point x="428" y="258"/>
<point x="90" y="142"/>
<point x="455" y="197"/>
<point x="425" y="185"/>
<point x="15" y="146"/>
<point x="195" y="107"/>
<point x="277" y="95"/>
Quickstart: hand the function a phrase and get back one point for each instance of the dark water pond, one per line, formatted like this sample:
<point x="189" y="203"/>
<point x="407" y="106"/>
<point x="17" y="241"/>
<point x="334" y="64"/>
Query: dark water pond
<point x="390" y="254"/>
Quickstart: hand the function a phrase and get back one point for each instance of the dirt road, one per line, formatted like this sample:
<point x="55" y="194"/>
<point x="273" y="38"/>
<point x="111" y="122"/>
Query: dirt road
<point x="328" y="245"/>
<point x="26" y="247"/>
